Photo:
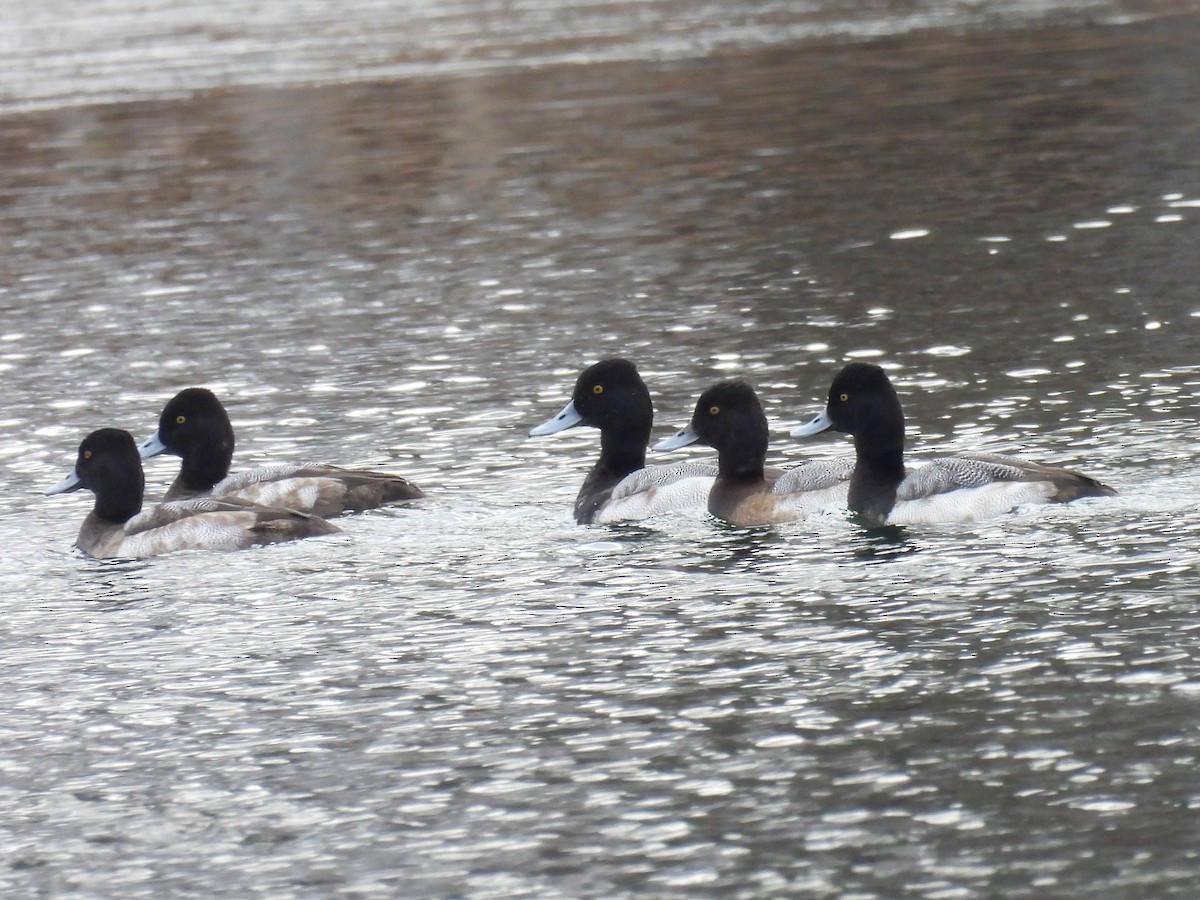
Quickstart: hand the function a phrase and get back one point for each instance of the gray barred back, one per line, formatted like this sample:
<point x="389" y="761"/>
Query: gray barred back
<point x="660" y="476"/>
<point x="955" y="472"/>
<point x="818" y="475"/>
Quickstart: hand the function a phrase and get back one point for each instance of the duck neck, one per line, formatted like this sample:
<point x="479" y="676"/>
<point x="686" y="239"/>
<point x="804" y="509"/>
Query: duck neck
<point x="622" y="450"/>
<point x="118" y="501"/>
<point x="200" y="471"/>
<point x="742" y="457"/>
<point x="878" y="471"/>
<point x="618" y="457"/>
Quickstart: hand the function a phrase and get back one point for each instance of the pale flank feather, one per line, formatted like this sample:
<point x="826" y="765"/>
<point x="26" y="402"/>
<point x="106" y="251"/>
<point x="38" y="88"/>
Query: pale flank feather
<point x="289" y="493"/>
<point x="203" y="523"/>
<point x="969" y="504"/>
<point x="820" y="475"/>
<point x="319" y="489"/>
<point x="955" y="472"/>
<point x="655" y="490"/>
<point x="968" y="488"/>
<point x="233" y="483"/>
<point x="203" y="531"/>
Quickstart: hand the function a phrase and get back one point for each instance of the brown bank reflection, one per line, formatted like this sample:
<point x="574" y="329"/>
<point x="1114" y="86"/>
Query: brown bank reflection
<point x="842" y="143"/>
<point x="755" y="193"/>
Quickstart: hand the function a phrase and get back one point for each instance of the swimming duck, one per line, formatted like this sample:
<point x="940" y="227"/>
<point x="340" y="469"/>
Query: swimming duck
<point x="108" y="465"/>
<point x="612" y="397"/>
<point x="730" y="418"/>
<point x="863" y="403"/>
<point x="195" y="427"/>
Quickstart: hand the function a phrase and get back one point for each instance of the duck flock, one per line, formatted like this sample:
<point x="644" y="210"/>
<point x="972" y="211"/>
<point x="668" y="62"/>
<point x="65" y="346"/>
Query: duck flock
<point x="207" y="508"/>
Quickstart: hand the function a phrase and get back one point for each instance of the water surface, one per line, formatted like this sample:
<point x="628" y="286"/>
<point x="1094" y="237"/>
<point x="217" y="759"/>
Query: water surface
<point x="474" y="697"/>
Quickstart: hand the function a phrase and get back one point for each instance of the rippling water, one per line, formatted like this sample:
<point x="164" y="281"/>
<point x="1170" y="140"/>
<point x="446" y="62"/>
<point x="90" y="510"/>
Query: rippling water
<point x="406" y="267"/>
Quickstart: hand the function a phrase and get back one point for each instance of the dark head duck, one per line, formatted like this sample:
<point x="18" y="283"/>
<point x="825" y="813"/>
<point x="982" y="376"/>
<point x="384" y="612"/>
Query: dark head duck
<point x="195" y="427"/>
<point x="863" y="403"/>
<point x="730" y="418"/>
<point x="108" y="465"/>
<point x="612" y="397"/>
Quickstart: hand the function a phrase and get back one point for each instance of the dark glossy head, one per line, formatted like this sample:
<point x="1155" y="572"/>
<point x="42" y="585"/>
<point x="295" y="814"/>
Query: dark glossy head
<point x="611" y="396"/>
<point x="730" y="418"/>
<point x="108" y="465"/>
<point x="862" y="402"/>
<point x="195" y="421"/>
<point x="195" y="427"/>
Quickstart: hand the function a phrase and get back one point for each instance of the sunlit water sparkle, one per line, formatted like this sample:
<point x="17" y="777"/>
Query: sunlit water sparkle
<point x="472" y="696"/>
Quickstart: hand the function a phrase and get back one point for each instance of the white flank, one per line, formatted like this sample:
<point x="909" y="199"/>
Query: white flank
<point x="970" y="504"/>
<point x="289" y="493"/>
<point x="656" y="490"/>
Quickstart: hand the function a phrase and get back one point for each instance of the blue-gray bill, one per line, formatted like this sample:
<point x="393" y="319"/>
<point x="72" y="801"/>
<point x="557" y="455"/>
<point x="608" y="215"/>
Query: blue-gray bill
<point x="153" y="446"/>
<point x="568" y="418"/>
<point x="68" y="484"/>
<point x="681" y="438"/>
<point x="820" y="422"/>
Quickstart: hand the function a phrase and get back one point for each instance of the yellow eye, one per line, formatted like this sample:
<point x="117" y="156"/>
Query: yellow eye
<point x="87" y="454"/>
<point x="179" y="420"/>
<point x="844" y="397"/>
<point x="598" y="389"/>
<point x="713" y="410"/>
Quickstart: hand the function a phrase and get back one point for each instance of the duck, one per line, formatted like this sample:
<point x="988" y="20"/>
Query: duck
<point x="195" y="427"/>
<point x="729" y="417"/>
<point x="109" y="466"/>
<point x="863" y="403"/>
<point x="611" y="396"/>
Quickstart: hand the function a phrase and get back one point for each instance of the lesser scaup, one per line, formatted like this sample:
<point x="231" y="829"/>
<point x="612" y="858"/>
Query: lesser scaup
<point x="195" y="427"/>
<point x="863" y="403"/>
<point x="730" y="418"/>
<point x="108" y="465"/>
<point x="612" y="397"/>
